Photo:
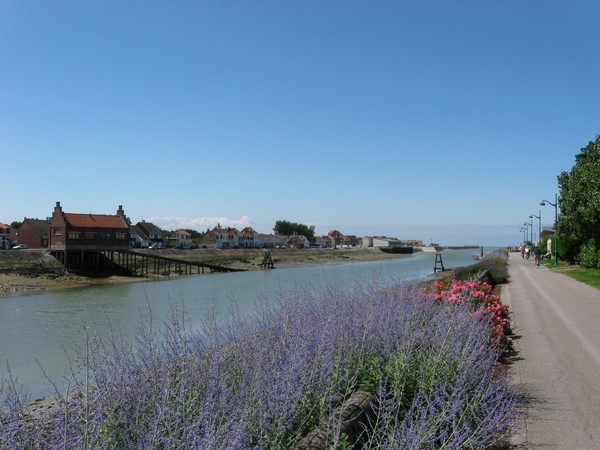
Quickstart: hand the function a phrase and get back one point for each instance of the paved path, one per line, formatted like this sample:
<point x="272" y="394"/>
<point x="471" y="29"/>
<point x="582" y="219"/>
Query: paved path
<point x="556" y="321"/>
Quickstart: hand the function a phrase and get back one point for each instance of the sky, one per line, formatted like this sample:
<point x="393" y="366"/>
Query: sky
<point x="443" y="121"/>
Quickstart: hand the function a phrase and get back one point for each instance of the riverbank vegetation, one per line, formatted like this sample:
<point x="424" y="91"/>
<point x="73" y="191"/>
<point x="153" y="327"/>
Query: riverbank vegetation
<point x="266" y="381"/>
<point x="493" y="265"/>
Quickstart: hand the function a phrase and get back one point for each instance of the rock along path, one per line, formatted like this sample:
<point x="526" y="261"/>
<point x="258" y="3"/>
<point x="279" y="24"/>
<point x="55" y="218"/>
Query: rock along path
<point x="556" y="322"/>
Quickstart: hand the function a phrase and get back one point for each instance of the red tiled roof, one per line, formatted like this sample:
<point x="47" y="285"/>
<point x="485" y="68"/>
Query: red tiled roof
<point x="95" y="221"/>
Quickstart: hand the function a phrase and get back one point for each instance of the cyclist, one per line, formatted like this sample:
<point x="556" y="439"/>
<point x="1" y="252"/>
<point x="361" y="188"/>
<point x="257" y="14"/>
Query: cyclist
<point x="536" y="255"/>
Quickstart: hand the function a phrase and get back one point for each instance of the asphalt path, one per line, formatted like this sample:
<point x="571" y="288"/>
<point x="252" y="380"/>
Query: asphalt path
<point x="556" y="367"/>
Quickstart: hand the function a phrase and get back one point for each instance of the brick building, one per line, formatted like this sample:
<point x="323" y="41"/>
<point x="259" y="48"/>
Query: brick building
<point x="80" y="239"/>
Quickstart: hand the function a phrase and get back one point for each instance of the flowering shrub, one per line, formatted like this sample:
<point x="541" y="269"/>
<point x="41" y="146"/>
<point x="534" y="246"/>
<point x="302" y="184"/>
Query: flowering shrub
<point x="481" y="300"/>
<point x="264" y="382"/>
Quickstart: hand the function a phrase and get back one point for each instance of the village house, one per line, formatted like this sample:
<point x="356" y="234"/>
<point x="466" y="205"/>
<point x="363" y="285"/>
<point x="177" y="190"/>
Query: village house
<point x="220" y="238"/>
<point x="80" y="238"/>
<point x="227" y="238"/>
<point x="297" y="241"/>
<point x="322" y="242"/>
<point x="34" y="233"/>
<point x="249" y="238"/>
<point x="5" y="240"/>
<point x="336" y="238"/>
<point x="272" y="240"/>
<point x="137" y="238"/>
<point x="183" y="239"/>
<point x="152" y="234"/>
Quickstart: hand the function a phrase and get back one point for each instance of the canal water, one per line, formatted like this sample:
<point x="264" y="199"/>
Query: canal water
<point x="38" y="331"/>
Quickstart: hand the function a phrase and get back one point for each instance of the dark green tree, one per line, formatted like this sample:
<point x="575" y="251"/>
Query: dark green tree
<point x="286" y="228"/>
<point x="579" y="220"/>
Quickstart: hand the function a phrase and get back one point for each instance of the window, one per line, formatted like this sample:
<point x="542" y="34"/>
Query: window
<point x="57" y="231"/>
<point x="89" y="235"/>
<point x="121" y="236"/>
<point x="74" y="234"/>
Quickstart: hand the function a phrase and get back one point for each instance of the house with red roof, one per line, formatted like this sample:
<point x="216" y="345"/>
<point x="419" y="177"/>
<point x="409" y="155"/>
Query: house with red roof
<point x="220" y="238"/>
<point x="88" y="233"/>
<point x="297" y="241"/>
<point x="249" y="238"/>
<point x="336" y="238"/>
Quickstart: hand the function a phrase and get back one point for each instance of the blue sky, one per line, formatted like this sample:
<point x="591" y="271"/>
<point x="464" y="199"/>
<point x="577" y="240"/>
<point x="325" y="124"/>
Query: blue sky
<point x="432" y="120"/>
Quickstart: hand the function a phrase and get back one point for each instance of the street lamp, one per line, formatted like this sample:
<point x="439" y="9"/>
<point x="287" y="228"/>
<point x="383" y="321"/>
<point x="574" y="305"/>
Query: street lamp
<point x="523" y="229"/>
<point x="555" y="204"/>
<point x="526" y="230"/>
<point x="531" y="225"/>
<point x="539" y="218"/>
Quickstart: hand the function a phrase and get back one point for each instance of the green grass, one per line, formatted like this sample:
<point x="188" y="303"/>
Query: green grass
<point x="591" y="277"/>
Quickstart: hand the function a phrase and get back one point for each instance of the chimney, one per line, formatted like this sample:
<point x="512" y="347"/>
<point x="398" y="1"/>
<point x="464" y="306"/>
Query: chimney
<point x="121" y="214"/>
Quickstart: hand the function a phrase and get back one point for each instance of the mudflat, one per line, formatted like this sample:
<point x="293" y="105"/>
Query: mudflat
<point x="33" y="270"/>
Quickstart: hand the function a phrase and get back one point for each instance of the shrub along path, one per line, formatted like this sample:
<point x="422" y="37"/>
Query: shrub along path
<point x="556" y="322"/>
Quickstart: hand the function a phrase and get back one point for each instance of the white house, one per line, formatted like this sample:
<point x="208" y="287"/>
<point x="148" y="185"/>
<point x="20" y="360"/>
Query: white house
<point x="249" y="238"/>
<point x="183" y="239"/>
<point x="227" y="237"/>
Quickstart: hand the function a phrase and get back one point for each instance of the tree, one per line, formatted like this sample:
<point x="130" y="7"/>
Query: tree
<point x="579" y="220"/>
<point x="285" y="228"/>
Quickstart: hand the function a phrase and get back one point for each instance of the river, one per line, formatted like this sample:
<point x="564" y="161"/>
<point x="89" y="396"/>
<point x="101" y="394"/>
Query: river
<point x="39" y="330"/>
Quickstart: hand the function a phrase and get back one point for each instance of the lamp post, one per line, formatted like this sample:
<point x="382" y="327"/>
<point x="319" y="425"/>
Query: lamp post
<point x="523" y="229"/>
<point x="539" y="218"/>
<point x="526" y="225"/>
<point x="531" y="225"/>
<point x="555" y="204"/>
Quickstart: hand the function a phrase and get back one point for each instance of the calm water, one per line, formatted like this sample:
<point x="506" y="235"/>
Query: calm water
<point x="41" y="329"/>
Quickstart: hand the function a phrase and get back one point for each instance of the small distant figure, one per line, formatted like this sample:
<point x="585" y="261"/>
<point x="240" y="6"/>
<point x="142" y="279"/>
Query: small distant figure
<point x="527" y="251"/>
<point x="536" y="255"/>
<point x="523" y="251"/>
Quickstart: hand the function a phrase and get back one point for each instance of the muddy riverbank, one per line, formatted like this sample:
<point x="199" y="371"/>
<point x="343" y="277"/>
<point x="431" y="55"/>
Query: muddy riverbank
<point x="35" y="270"/>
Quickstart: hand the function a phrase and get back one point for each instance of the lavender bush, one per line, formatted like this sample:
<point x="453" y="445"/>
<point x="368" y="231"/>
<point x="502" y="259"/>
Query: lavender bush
<point x="263" y="382"/>
<point x="495" y="262"/>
